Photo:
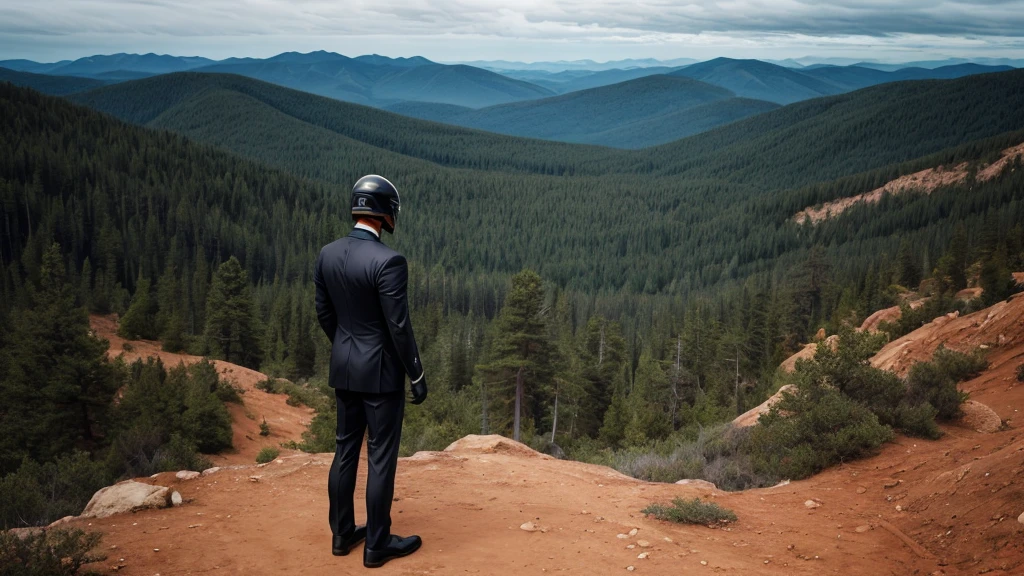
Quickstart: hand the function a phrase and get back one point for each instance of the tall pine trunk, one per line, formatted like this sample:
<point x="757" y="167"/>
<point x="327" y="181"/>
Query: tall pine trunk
<point x="519" y="402"/>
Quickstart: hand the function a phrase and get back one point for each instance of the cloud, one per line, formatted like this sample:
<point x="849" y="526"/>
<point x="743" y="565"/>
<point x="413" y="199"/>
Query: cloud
<point x="981" y="24"/>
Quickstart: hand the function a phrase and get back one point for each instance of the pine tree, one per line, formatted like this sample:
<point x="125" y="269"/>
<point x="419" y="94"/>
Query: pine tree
<point x="232" y="330"/>
<point x="56" y="383"/>
<point x="519" y="361"/>
<point x="140" y="319"/>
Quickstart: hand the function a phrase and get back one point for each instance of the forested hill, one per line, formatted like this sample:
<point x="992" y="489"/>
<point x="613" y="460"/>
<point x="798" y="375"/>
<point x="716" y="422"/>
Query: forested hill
<point x="815" y="140"/>
<point x="701" y="222"/>
<point x="47" y="84"/>
<point x="633" y="114"/>
<point x="642" y="295"/>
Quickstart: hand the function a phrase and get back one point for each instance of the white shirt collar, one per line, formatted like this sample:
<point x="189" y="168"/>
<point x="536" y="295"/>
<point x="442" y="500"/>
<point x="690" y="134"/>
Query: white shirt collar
<point x="362" y="226"/>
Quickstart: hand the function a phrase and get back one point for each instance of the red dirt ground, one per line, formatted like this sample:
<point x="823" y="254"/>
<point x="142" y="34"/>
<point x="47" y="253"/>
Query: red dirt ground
<point x="918" y="507"/>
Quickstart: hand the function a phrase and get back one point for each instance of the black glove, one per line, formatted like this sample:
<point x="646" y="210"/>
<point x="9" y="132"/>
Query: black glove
<point x="419" y="391"/>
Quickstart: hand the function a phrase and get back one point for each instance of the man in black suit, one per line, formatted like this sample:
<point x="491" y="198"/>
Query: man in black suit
<point x="362" y="306"/>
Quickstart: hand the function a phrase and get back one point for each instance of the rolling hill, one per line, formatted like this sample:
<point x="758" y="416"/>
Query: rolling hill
<point x="758" y="80"/>
<point x="573" y="80"/>
<point x="47" y="84"/>
<point x="856" y="77"/>
<point x="376" y="80"/>
<point x="635" y="114"/>
<point x="774" y="83"/>
<point x="716" y="205"/>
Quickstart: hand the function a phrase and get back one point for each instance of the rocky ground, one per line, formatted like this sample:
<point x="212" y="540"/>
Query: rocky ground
<point x="490" y="506"/>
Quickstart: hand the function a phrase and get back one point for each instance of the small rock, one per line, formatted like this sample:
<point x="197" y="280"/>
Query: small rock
<point x="811" y="504"/>
<point x="667" y="539"/>
<point x="156" y="549"/>
<point x="642" y="556"/>
<point x="621" y="536"/>
<point x="254" y="478"/>
<point x="891" y="483"/>
<point x="584" y="512"/>
<point x="529" y="527"/>
<point x="899" y="508"/>
<point x="861" y="489"/>
<point x="1021" y="518"/>
<point x="631" y="546"/>
<point x="862" y="529"/>
<point x="176" y="498"/>
<point x="633" y="532"/>
<point x="187" y="475"/>
<point x="630" y="568"/>
<point x="703" y="562"/>
<point x="643" y="543"/>
<point x="209" y="471"/>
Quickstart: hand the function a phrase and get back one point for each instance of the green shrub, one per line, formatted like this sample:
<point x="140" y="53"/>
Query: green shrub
<point x="717" y="454"/>
<point x="264" y="428"/>
<point x="56" y="552"/>
<point x="269" y="385"/>
<point x="691" y="512"/>
<point x="229" y="392"/>
<point x="1020" y="373"/>
<point x="37" y="494"/>
<point x="813" y="429"/>
<point x="267" y="454"/>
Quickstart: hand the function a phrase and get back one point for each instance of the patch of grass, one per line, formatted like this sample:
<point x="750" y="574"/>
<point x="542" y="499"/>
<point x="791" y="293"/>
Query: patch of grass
<point x="692" y="511"/>
<point x="267" y="454"/>
<point x="57" y="552"/>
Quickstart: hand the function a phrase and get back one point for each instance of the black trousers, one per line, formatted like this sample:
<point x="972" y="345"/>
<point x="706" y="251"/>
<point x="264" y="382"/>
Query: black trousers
<point x="381" y="414"/>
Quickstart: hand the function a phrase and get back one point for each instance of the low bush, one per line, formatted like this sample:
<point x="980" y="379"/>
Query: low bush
<point x="37" y="494"/>
<point x="1020" y="373"/>
<point x="691" y="512"/>
<point x="267" y="454"/>
<point x="811" y="430"/>
<point x="717" y="454"/>
<point x="264" y="428"/>
<point x="56" y="552"/>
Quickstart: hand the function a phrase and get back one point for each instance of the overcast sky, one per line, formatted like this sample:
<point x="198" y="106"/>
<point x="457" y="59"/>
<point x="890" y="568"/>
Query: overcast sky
<point x="526" y="30"/>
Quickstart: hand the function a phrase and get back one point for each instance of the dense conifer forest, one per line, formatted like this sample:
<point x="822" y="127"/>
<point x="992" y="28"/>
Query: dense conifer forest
<point x="622" y="300"/>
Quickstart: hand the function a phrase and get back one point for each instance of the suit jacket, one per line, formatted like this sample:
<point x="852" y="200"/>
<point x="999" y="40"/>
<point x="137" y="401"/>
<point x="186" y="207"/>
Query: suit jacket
<point x="362" y="306"/>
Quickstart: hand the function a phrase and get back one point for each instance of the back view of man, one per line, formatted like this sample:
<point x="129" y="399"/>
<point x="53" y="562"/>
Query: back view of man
<point x="362" y="306"/>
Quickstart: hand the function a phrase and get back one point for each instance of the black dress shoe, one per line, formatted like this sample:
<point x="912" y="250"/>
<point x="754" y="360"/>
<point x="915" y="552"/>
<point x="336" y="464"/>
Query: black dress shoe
<point x="341" y="545"/>
<point x="397" y="547"/>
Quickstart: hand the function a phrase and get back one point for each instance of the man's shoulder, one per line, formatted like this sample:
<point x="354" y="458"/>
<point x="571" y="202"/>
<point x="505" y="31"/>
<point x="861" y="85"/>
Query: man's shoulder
<point x="378" y="251"/>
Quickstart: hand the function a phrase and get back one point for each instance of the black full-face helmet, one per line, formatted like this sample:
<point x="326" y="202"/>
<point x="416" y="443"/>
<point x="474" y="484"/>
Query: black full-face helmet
<point x="376" y="197"/>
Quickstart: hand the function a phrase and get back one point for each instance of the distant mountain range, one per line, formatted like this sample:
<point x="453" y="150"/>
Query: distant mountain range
<point x="634" y="105"/>
<point x="633" y="114"/>
<point x="588" y="65"/>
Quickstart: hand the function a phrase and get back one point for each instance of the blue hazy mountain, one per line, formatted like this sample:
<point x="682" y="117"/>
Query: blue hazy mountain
<point x="633" y="114"/>
<point x="377" y="80"/>
<point x="759" y="80"/>
<point x="573" y="80"/>
<point x="147" y="63"/>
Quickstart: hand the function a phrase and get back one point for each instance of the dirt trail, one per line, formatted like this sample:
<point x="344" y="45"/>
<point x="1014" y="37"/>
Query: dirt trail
<point x="918" y="507"/>
<point x="286" y="422"/>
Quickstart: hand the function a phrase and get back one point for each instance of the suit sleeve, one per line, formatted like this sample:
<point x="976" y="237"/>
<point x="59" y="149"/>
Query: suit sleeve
<point x="325" y="312"/>
<point x="392" y="284"/>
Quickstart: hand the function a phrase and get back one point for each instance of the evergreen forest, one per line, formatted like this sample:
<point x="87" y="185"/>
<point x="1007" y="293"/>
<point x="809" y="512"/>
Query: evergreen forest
<point x="595" y="303"/>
